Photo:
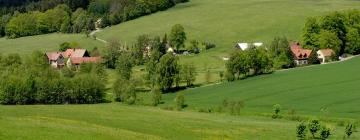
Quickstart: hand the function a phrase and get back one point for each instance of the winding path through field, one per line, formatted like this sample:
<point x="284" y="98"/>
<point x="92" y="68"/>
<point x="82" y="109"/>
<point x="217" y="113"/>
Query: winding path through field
<point x="92" y="34"/>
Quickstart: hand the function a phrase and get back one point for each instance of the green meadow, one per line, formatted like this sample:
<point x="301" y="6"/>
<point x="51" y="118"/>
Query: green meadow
<point x="226" y="22"/>
<point x="49" y="42"/>
<point x="115" y="121"/>
<point x="330" y="90"/>
<point x="324" y="91"/>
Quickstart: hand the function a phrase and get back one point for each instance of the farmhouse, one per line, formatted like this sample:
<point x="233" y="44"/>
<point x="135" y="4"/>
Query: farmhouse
<point x="55" y="59"/>
<point x="325" y="55"/>
<point x="244" y="46"/>
<point x="301" y="55"/>
<point x="74" y="57"/>
<point x="77" y="61"/>
<point x="75" y="53"/>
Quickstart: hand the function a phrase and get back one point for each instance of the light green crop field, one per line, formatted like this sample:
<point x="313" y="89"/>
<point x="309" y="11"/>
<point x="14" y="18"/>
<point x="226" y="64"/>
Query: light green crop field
<point x="49" y="42"/>
<point x="115" y="121"/>
<point x="330" y="90"/>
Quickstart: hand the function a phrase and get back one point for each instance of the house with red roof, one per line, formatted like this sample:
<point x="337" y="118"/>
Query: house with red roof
<point x="301" y="55"/>
<point x="55" y="59"/>
<point x="76" y="53"/>
<point x="75" y="57"/>
<point x="77" y="61"/>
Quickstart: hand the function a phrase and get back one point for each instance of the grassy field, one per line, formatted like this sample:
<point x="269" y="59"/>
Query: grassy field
<point x="49" y="42"/>
<point x="326" y="90"/>
<point x="222" y="22"/>
<point x="226" y="22"/>
<point x="115" y="121"/>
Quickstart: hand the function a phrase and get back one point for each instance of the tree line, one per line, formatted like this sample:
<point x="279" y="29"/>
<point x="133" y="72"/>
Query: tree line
<point x="339" y="31"/>
<point x="163" y="71"/>
<point x="73" y="16"/>
<point x="249" y="62"/>
<point x="33" y="81"/>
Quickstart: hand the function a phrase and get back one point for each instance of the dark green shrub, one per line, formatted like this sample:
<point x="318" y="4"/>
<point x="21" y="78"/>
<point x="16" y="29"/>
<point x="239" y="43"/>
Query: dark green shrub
<point x="180" y="101"/>
<point x="349" y="129"/>
<point x="276" y="109"/>
<point x="156" y="97"/>
<point x="325" y="133"/>
<point x="314" y="127"/>
<point x="301" y="131"/>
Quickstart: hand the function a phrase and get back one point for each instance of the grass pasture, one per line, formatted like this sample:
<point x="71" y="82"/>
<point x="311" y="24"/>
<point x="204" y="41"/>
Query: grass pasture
<point x="49" y="42"/>
<point x="225" y="22"/>
<point x="115" y="121"/>
<point x="326" y="90"/>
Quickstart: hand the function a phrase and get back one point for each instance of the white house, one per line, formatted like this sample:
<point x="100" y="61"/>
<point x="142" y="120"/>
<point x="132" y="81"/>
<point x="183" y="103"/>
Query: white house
<point x="325" y="55"/>
<point x="244" y="46"/>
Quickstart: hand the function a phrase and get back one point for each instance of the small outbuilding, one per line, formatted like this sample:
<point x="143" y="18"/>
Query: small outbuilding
<point x="325" y="55"/>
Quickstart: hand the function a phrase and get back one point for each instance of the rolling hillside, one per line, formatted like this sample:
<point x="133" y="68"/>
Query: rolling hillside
<point x="114" y="121"/>
<point x="226" y="22"/>
<point x="326" y="90"/>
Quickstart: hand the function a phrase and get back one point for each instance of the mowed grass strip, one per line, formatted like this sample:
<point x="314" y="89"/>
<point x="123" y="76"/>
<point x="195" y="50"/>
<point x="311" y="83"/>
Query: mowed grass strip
<point x="326" y="90"/>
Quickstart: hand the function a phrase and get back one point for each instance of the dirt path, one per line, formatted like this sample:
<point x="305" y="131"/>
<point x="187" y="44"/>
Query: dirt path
<point x="92" y="34"/>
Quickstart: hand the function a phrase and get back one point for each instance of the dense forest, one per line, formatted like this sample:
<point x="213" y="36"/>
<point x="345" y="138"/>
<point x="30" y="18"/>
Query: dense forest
<point x="33" y="17"/>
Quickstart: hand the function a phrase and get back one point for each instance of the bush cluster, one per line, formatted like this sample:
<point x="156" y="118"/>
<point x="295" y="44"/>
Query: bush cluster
<point x="252" y="61"/>
<point x="34" y="82"/>
<point x="314" y="127"/>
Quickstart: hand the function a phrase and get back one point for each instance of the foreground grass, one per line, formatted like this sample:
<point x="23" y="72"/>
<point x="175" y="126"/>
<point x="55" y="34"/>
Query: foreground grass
<point x="115" y="121"/>
<point x="326" y="90"/>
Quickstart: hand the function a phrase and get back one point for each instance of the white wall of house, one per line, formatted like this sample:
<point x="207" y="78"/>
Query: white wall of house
<point x="301" y="62"/>
<point x="321" y="56"/>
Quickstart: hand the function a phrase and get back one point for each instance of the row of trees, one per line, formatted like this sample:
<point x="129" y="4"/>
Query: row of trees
<point x="339" y="31"/>
<point x="10" y="6"/>
<point x="74" y="16"/>
<point x="32" y="81"/>
<point x="163" y="71"/>
<point x="252" y="61"/>
<point x="59" y="19"/>
<point x="116" y="11"/>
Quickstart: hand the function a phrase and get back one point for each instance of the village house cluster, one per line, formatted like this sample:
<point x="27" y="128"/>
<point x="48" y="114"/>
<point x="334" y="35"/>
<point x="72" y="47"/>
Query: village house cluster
<point x="300" y="54"/>
<point x="70" y="58"/>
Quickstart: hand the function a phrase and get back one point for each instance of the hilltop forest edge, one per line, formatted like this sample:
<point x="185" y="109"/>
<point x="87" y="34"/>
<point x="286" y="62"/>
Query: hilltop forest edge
<point x="26" y="18"/>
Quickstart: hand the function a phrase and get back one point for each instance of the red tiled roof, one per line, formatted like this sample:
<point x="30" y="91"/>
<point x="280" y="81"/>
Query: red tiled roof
<point x="327" y="52"/>
<point x="74" y="53"/>
<point x="53" y="55"/>
<point x="299" y="52"/>
<point x="80" y="60"/>
<point x="68" y="53"/>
